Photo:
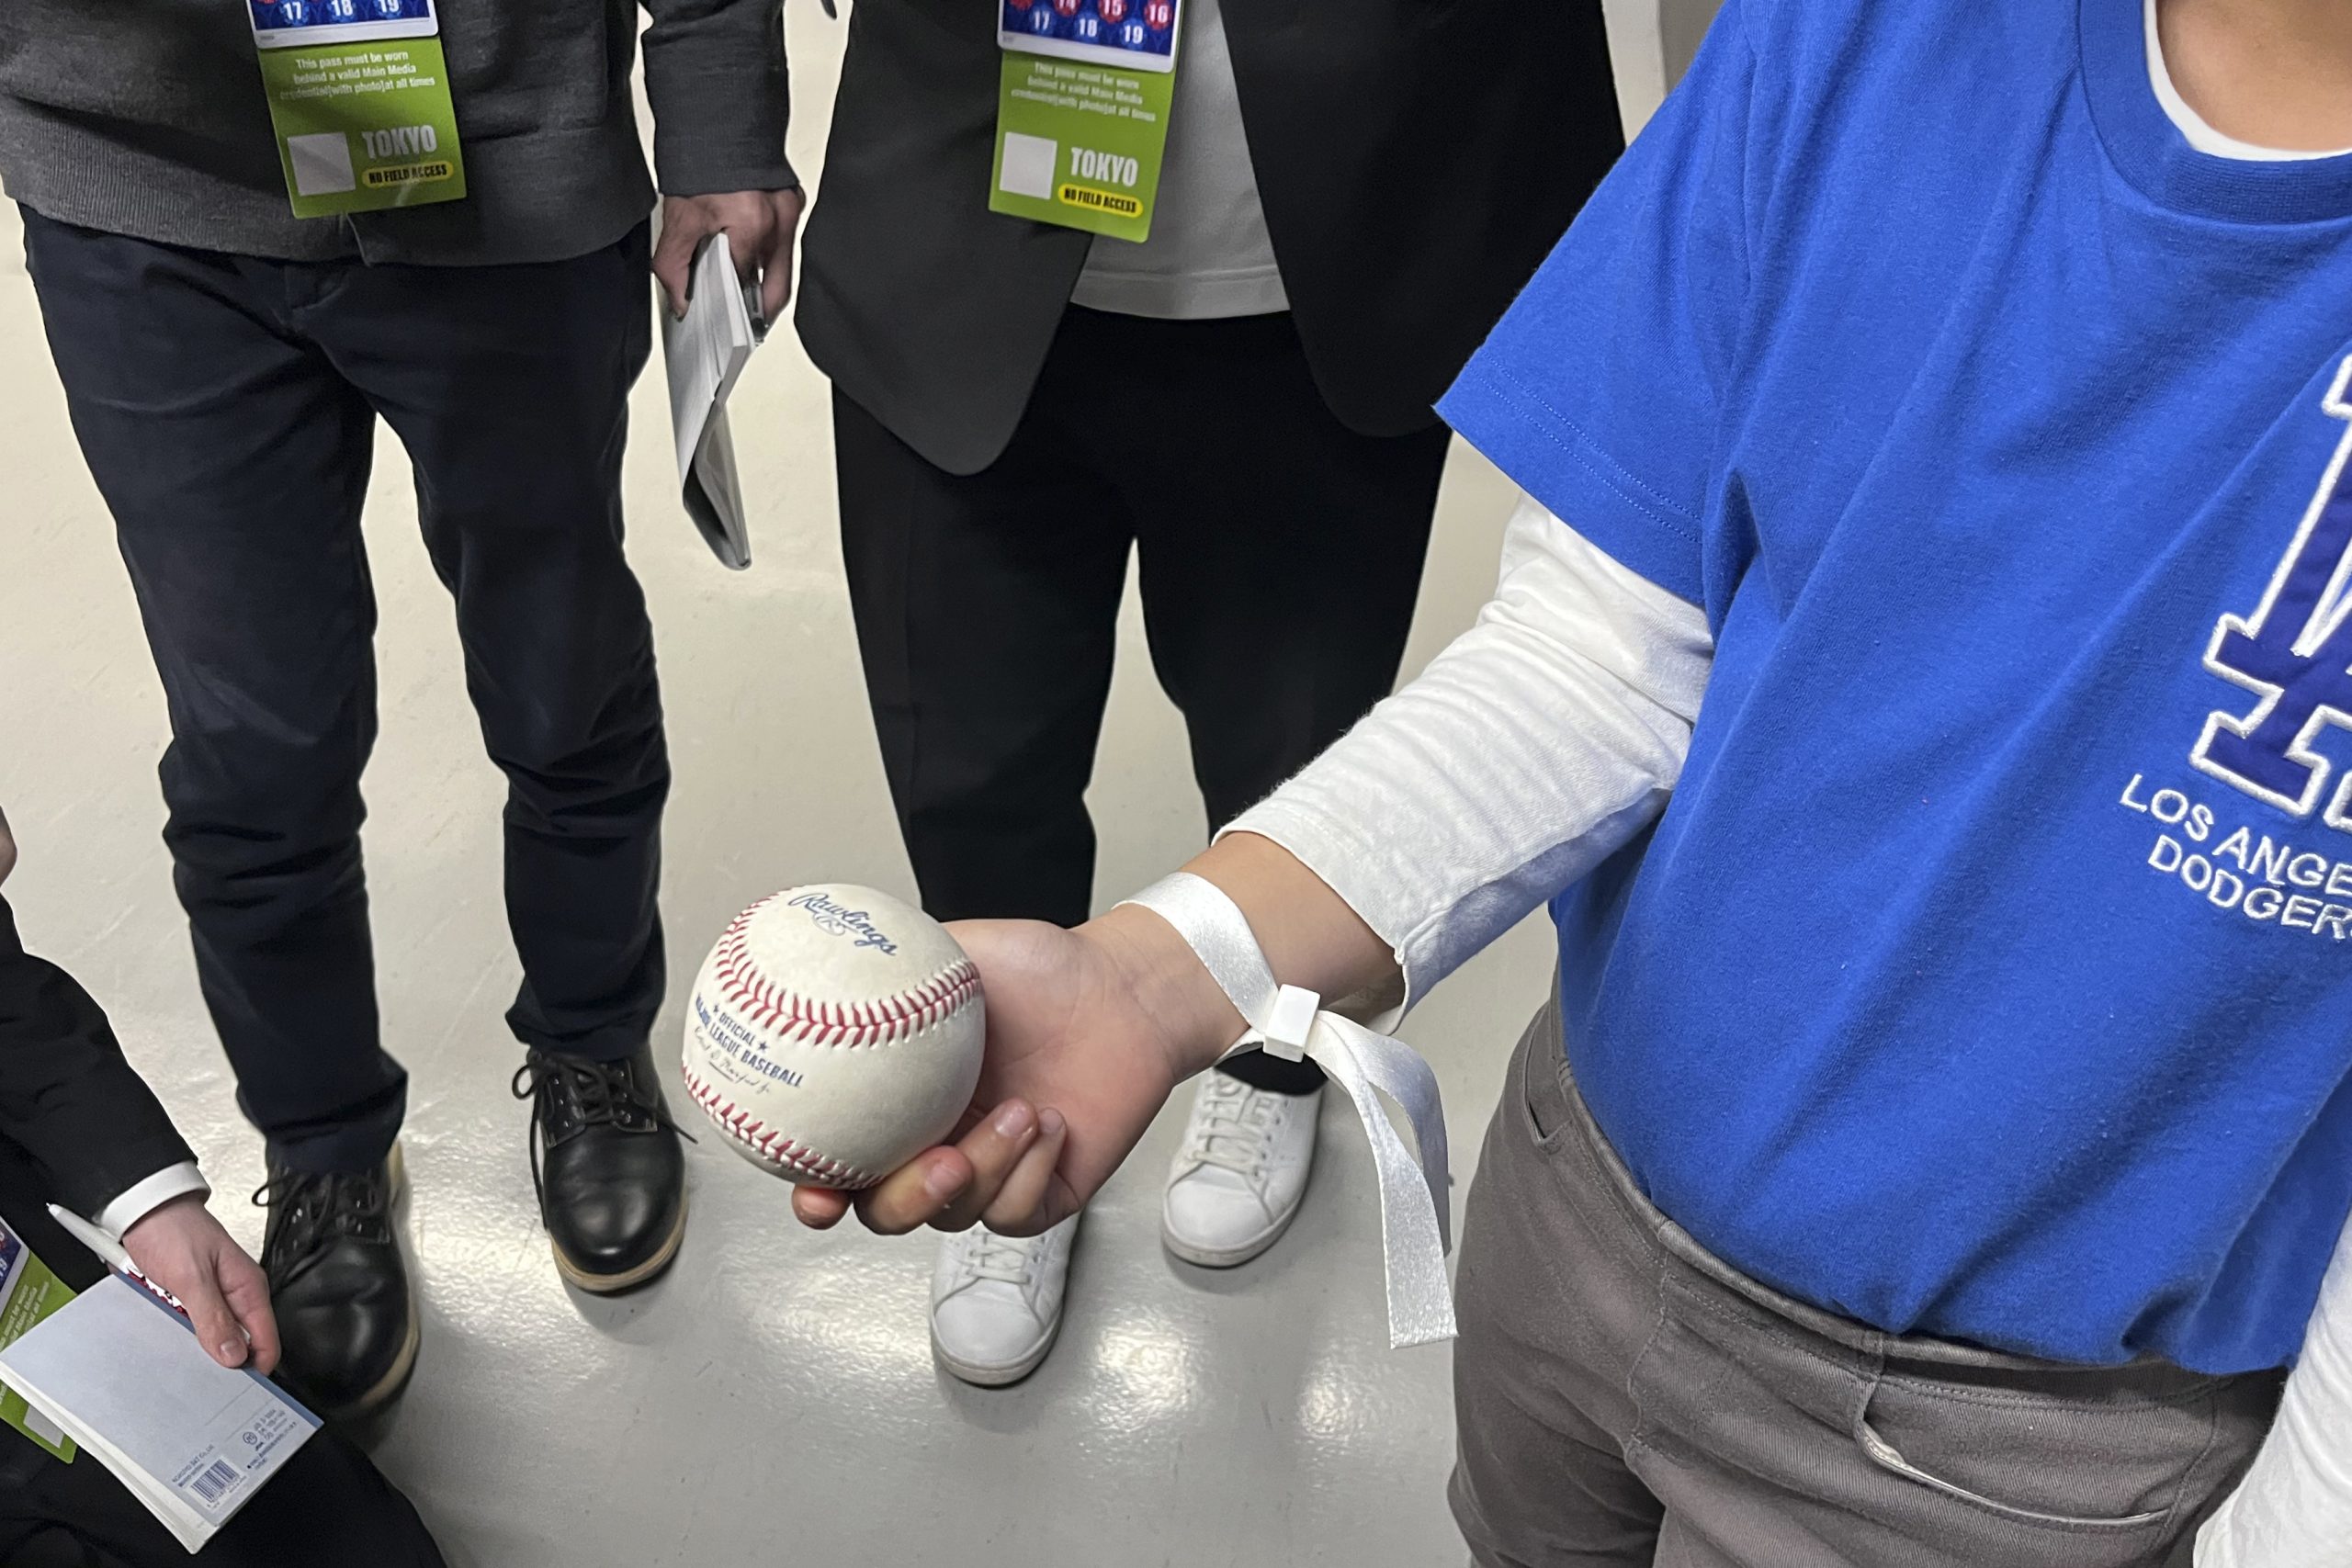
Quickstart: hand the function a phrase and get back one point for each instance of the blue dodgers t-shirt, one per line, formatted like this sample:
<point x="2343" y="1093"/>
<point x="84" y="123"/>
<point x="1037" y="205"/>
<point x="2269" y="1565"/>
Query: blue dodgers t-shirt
<point x="1990" y="975"/>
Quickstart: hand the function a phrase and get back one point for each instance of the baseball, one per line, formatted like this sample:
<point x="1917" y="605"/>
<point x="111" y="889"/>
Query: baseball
<point x="834" y="1034"/>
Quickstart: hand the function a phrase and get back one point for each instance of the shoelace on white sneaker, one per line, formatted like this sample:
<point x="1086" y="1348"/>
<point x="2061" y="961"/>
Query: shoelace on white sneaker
<point x="1413" y="1218"/>
<point x="984" y="1254"/>
<point x="1232" y="1126"/>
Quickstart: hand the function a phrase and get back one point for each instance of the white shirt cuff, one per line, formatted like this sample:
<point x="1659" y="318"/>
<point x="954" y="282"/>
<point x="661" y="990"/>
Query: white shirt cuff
<point x="146" y="1197"/>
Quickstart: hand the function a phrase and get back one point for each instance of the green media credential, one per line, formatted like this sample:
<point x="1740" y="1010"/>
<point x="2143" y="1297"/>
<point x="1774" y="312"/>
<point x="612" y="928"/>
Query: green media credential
<point x="364" y="126"/>
<point x="1079" y="143"/>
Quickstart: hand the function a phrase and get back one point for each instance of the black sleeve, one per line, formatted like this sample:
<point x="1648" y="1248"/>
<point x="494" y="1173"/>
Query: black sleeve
<point x="67" y="1097"/>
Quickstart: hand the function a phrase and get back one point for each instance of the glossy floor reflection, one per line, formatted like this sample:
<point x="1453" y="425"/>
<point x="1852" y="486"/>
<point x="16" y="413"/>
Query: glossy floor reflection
<point x="773" y="1398"/>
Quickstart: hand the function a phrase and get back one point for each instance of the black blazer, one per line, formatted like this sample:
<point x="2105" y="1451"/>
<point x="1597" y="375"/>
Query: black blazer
<point x="1417" y="159"/>
<point x="78" y="1128"/>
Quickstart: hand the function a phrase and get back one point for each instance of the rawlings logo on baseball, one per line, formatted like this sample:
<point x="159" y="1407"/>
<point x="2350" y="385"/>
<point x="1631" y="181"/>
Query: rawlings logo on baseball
<point x="832" y="917"/>
<point x="832" y="1063"/>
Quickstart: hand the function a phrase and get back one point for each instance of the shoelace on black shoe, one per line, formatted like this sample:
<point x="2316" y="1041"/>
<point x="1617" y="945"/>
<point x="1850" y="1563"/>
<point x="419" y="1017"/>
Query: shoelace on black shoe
<point x="581" y="1094"/>
<point x="312" y="1209"/>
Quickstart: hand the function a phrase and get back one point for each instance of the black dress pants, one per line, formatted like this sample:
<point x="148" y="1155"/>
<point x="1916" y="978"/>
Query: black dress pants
<point x="1281" y="555"/>
<point x="227" y="406"/>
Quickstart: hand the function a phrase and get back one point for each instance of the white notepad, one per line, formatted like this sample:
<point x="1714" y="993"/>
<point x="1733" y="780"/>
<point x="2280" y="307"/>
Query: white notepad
<point x="705" y="352"/>
<point x="124" y="1377"/>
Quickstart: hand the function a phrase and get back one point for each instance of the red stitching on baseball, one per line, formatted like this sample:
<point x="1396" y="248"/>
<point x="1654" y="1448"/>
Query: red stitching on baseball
<point x="886" y="1021"/>
<point x="771" y="1145"/>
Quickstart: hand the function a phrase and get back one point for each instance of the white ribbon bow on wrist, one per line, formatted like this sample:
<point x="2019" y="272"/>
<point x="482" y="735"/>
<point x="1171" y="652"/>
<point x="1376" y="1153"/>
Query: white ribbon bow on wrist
<point x="1289" y="1022"/>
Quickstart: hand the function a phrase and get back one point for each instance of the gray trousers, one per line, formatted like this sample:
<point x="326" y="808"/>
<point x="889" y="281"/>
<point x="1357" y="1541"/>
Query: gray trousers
<point x="1625" y="1398"/>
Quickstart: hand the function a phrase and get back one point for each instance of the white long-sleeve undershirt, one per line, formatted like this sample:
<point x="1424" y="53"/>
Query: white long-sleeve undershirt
<point x="2294" y="1508"/>
<point x="1541" y="741"/>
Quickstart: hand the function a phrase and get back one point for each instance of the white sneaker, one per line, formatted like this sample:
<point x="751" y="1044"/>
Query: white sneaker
<point x="1235" y="1185"/>
<point x="996" y="1301"/>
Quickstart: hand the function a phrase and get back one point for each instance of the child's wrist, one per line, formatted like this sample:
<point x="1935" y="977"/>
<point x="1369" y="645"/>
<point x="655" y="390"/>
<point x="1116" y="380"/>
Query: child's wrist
<point x="1188" y="1012"/>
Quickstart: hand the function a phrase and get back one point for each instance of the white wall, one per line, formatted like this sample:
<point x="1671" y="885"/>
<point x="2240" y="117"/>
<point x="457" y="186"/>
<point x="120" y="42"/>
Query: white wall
<point x="1651" y="43"/>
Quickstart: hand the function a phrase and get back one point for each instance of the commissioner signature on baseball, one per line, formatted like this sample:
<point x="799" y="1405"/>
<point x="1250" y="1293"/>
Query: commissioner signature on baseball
<point x="838" y="919"/>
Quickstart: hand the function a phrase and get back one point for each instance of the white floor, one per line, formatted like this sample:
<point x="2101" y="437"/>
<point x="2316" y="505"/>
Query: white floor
<point x="773" y="1398"/>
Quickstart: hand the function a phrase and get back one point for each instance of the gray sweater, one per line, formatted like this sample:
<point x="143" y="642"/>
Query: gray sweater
<point x="146" y="118"/>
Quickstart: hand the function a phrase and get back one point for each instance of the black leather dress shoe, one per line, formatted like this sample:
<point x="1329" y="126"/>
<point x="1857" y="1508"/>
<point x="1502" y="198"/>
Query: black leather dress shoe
<point x="339" y="1282"/>
<point x="605" y="1157"/>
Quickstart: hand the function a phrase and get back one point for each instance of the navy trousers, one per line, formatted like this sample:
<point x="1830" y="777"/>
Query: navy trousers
<point x="227" y="408"/>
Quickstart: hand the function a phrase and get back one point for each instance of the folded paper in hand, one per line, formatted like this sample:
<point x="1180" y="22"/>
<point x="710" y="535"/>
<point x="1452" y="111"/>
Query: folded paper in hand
<point x="706" y="350"/>
<point x="122" y="1375"/>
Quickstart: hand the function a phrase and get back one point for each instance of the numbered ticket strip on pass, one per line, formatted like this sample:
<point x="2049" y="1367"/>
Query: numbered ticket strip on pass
<point x="1081" y="118"/>
<point x="359" y="95"/>
<point x="1287" y="1022"/>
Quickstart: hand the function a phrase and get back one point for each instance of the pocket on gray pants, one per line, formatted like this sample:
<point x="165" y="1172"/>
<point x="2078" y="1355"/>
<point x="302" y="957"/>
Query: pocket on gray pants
<point x="2100" y="1459"/>
<point x="1539" y="1079"/>
<point x="1786" y="1448"/>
